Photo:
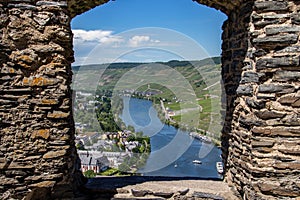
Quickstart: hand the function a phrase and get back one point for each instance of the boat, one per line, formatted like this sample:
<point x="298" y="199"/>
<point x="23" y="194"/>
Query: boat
<point x="197" y="162"/>
<point x="219" y="166"/>
<point x="175" y="165"/>
<point x="202" y="138"/>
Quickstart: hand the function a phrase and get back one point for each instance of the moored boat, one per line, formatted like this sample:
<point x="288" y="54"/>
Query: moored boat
<point x="202" y="138"/>
<point x="219" y="166"/>
<point x="197" y="162"/>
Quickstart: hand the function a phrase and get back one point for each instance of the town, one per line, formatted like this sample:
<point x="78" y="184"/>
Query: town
<point x="101" y="148"/>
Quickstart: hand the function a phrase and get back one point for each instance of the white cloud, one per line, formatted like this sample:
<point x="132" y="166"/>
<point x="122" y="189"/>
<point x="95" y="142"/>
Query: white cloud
<point x="138" y="40"/>
<point x="95" y="36"/>
<point x="104" y="46"/>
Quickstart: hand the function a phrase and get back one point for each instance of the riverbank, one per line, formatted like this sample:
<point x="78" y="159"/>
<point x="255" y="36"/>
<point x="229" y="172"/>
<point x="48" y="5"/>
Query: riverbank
<point x="164" y="117"/>
<point x="172" y="150"/>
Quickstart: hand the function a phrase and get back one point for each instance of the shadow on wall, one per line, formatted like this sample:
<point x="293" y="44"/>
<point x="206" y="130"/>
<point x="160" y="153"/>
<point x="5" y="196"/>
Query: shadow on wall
<point x="235" y="60"/>
<point x="108" y="187"/>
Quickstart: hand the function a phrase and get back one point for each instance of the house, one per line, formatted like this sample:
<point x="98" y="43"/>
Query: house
<point x="131" y="145"/>
<point x="100" y="160"/>
<point x="91" y="162"/>
<point x="112" y="136"/>
<point x="87" y="137"/>
<point x="102" y="163"/>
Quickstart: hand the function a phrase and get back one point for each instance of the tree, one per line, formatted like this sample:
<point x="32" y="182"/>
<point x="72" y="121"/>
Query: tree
<point x="124" y="167"/>
<point x="139" y="134"/>
<point x="80" y="146"/>
<point x="89" y="174"/>
<point x="131" y="128"/>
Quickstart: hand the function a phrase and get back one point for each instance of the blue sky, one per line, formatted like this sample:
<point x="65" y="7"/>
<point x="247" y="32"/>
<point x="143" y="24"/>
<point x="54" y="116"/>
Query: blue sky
<point x="119" y="31"/>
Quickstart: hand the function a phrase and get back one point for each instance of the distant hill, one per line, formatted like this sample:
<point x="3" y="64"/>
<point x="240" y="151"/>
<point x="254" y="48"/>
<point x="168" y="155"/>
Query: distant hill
<point x="172" y="63"/>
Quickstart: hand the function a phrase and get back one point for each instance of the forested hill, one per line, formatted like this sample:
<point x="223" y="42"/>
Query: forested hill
<point x="172" y="63"/>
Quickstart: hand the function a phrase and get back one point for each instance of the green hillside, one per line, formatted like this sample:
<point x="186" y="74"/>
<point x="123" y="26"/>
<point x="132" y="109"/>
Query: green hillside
<point x="189" y="90"/>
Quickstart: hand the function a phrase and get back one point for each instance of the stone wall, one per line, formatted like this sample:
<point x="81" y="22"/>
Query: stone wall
<point x="261" y="71"/>
<point x="235" y="60"/>
<point x="261" y="58"/>
<point x="37" y="129"/>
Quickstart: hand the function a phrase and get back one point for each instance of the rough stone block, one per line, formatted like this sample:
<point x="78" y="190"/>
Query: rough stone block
<point x="269" y="114"/>
<point x="15" y="165"/>
<point x="140" y="193"/>
<point x="275" y="188"/>
<point x="287" y="165"/>
<point x="268" y="186"/>
<point x="274" y="30"/>
<point x="288" y="99"/>
<point x="263" y="149"/>
<point x="257" y="104"/>
<point x="58" y="115"/>
<point x="276" y="88"/>
<point x="49" y="101"/>
<point x="202" y="195"/>
<point x="291" y="149"/>
<point x="286" y="76"/>
<point x="22" y="6"/>
<point x="39" y="81"/>
<point x="296" y="18"/>
<point x="266" y="21"/>
<point x="26" y="58"/>
<point x="250" y="77"/>
<point x="265" y="63"/>
<point x="276" y="41"/>
<point x="52" y="3"/>
<point x="8" y="182"/>
<point x="249" y="121"/>
<point x="246" y="90"/>
<point x="291" y="120"/>
<point x="271" y="96"/>
<point x="296" y="104"/>
<point x="45" y="102"/>
<point x="264" y="143"/>
<point x="266" y="6"/>
<point x="44" y="177"/>
<point x="291" y="49"/>
<point x="166" y="195"/>
<point x="43" y="133"/>
<point x="42" y="18"/>
<point x="54" y="154"/>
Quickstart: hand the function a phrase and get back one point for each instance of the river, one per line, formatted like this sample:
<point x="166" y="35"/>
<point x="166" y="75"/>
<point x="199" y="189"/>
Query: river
<point x="172" y="150"/>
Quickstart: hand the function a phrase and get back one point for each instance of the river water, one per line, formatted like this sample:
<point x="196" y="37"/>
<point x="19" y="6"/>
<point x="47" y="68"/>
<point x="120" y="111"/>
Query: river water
<point x="172" y="150"/>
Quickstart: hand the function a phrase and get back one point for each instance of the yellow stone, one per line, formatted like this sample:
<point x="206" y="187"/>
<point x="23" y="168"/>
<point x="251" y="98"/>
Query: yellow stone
<point x="58" y="115"/>
<point x="38" y="81"/>
<point x="44" y="133"/>
<point x="49" y="101"/>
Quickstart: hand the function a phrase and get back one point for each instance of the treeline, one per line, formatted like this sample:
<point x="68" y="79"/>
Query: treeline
<point x="108" y="117"/>
<point x="172" y="63"/>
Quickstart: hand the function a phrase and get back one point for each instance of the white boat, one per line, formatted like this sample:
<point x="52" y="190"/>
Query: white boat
<point x="175" y="165"/>
<point x="202" y="138"/>
<point x="197" y="162"/>
<point x="219" y="166"/>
